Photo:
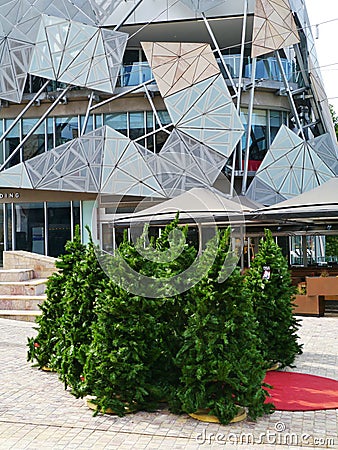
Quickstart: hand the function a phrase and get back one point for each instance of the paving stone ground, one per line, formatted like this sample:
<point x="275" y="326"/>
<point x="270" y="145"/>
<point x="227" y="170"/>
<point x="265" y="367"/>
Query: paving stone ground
<point x="36" y="413"/>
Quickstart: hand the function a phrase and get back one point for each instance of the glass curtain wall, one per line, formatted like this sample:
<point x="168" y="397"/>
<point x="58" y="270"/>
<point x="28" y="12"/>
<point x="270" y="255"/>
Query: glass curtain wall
<point x="35" y="145"/>
<point x="264" y="127"/>
<point x="29" y="227"/>
<point x="56" y="131"/>
<point x="11" y="143"/>
<point x="39" y="227"/>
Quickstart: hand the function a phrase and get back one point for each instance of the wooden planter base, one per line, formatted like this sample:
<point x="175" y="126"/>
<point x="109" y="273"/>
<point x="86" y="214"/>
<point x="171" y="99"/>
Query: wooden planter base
<point x="204" y="416"/>
<point x="93" y="406"/>
<point x="47" y="369"/>
<point x="276" y="366"/>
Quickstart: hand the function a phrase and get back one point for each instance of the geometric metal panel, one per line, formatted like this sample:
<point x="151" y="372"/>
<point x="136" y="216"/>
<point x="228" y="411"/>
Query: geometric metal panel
<point x="39" y="166"/>
<point x="263" y="193"/>
<point x="15" y="176"/>
<point x="327" y="150"/>
<point x="15" y="59"/>
<point x="78" y="54"/>
<point x="132" y="175"/>
<point x="178" y="153"/>
<point x="193" y="157"/>
<point x="181" y="165"/>
<point x="177" y="66"/>
<point x="19" y="18"/>
<point x="274" y="27"/>
<point x="319" y="93"/>
<point x="180" y="103"/>
<point x="78" y="167"/>
<point x="291" y="166"/>
<point x="208" y="114"/>
<point x="102" y="9"/>
<point x="106" y="161"/>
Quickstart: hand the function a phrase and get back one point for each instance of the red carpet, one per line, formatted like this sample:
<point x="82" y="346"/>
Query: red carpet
<point x="294" y="391"/>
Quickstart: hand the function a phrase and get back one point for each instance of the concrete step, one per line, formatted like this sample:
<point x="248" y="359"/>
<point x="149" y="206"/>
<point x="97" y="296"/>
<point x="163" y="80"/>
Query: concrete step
<point x="21" y="302"/>
<point x="16" y="275"/>
<point x="23" y="315"/>
<point x="37" y="286"/>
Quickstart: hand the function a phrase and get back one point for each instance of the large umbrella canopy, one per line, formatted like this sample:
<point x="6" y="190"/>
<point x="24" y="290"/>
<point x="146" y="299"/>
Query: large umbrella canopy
<point x="196" y="205"/>
<point x="320" y="202"/>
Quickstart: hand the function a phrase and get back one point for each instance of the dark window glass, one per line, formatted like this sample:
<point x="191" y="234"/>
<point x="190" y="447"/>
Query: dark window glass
<point x="117" y="121"/>
<point x="35" y="145"/>
<point x="59" y="231"/>
<point x="29" y="227"/>
<point x="66" y="129"/>
<point x="11" y="142"/>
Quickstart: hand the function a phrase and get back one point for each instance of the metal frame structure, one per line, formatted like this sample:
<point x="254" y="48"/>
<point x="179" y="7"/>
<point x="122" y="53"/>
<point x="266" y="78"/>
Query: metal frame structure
<point x="71" y="44"/>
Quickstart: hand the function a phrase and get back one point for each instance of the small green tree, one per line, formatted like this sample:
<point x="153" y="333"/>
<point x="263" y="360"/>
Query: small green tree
<point x="135" y="339"/>
<point x="220" y="359"/>
<point x="117" y="371"/>
<point x="41" y="349"/>
<point x="269" y="282"/>
<point x="331" y="246"/>
<point x="74" y="333"/>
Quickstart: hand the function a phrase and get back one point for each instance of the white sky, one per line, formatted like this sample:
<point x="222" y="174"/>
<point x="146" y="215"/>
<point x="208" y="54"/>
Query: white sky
<point x="327" y="43"/>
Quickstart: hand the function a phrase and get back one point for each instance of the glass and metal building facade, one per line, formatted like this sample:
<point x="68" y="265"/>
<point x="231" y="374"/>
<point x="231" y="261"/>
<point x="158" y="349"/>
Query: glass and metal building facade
<point x="147" y="99"/>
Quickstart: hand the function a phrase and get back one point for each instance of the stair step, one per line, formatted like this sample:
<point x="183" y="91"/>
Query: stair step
<point x="16" y="274"/>
<point x="23" y="315"/>
<point x="37" y="286"/>
<point x="21" y="302"/>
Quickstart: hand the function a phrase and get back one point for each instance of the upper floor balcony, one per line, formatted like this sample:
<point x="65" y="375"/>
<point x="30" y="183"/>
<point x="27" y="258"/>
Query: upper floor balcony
<point x="134" y="74"/>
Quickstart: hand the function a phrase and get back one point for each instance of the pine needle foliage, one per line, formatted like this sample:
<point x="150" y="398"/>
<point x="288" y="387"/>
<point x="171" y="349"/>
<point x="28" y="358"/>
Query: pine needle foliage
<point x="130" y="363"/>
<point x="74" y="331"/>
<point x="41" y="349"/>
<point x="272" y="299"/>
<point x="220" y="361"/>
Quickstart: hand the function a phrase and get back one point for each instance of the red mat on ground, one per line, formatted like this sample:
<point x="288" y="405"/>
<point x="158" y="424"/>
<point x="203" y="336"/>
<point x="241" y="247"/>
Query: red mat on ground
<point x="294" y="391"/>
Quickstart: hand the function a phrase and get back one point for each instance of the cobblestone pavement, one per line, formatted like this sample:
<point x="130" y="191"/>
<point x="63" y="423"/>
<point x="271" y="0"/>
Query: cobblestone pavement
<point x="37" y="413"/>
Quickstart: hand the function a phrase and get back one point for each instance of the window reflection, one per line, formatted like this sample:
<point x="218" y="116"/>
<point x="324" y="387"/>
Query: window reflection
<point x="66" y="129"/>
<point x="35" y="145"/>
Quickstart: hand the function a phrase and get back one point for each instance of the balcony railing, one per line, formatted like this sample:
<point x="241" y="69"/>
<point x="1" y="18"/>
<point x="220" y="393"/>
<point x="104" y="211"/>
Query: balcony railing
<point x="140" y="72"/>
<point x="266" y="68"/>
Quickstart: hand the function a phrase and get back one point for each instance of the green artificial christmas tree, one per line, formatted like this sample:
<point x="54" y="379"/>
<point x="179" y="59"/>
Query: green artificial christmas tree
<point x="130" y="364"/>
<point x="269" y="283"/>
<point x="220" y="361"/>
<point x="41" y="349"/>
<point x="74" y="331"/>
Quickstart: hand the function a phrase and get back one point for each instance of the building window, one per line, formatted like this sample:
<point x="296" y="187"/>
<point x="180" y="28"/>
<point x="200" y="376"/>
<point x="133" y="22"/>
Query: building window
<point x="117" y="121"/>
<point x="59" y="226"/>
<point x="8" y="225"/>
<point x="66" y="129"/>
<point x="258" y="135"/>
<point x="277" y="118"/>
<point x="136" y="126"/>
<point x="264" y="127"/>
<point x="29" y="227"/>
<point x="50" y="133"/>
<point x="11" y="143"/>
<point x="35" y="145"/>
<point x="89" y="125"/>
